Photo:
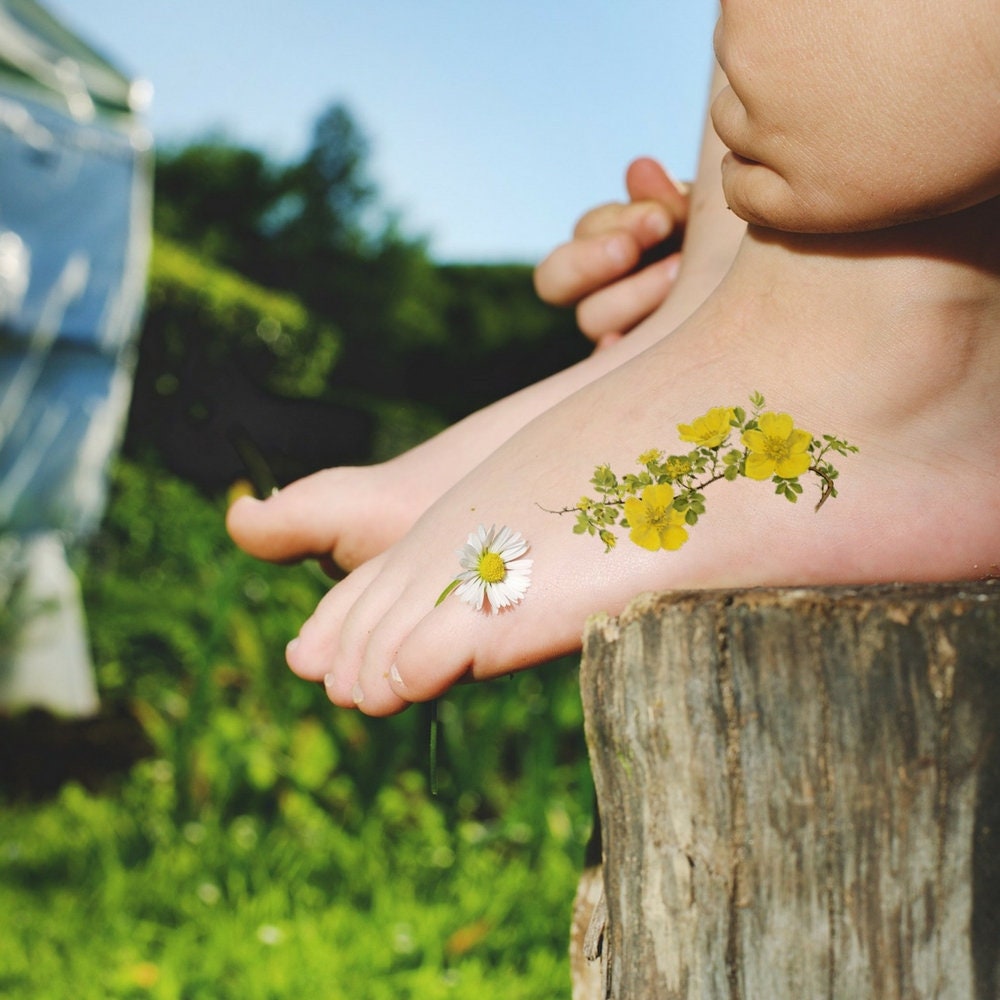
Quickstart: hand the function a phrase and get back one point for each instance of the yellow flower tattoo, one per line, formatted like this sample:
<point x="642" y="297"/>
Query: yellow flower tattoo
<point x="660" y="502"/>
<point x="777" y="448"/>
<point x="653" y="522"/>
<point x="710" y="430"/>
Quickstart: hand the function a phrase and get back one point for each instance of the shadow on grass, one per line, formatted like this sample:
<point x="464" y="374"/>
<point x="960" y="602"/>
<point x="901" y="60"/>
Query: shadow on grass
<point x="40" y="752"/>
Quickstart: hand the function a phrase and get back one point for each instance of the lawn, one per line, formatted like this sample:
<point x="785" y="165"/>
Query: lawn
<point x="223" y="831"/>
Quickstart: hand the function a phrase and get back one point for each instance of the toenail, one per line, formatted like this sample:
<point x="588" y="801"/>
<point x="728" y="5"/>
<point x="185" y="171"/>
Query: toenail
<point x="357" y="694"/>
<point x="290" y="648"/>
<point x="394" y="676"/>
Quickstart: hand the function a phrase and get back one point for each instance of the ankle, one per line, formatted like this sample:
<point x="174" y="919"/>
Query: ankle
<point x="912" y="288"/>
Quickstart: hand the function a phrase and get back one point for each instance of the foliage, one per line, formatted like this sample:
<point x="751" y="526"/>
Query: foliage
<point x="282" y="297"/>
<point x="200" y="314"/>
<point x="501" y="338"/>
<point x="238" y="859"/>
<point x="109" y="898"/>
<point x="453" y="337"/>
<point x="329" y="188"/>
<point x="216" y="197"/>
<point x="309" y="228"/>
<point x="235" y="205"/>
<point x="273" y="844"/>
<point x="225" y="365"/>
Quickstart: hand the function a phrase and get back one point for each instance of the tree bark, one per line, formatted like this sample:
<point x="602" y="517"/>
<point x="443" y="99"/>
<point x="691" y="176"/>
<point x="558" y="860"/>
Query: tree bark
<point x="799" y="793"/>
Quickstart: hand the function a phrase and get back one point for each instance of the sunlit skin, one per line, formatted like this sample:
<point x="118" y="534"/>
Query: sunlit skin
<point x="851" y="115"/>
<point x="885" y="339"/>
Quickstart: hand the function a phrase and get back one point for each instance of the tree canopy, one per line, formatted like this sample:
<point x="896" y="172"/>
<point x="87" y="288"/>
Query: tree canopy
<point x="382" y="328"/>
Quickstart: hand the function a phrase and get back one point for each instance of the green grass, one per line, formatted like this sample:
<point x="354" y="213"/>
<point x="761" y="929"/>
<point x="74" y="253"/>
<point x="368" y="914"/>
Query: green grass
<point x="106" y="897"/>
<point x="271" y="845"/>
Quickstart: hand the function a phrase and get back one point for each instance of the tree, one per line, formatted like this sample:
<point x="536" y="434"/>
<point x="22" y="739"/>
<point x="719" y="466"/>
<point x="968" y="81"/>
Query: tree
<point x="216" y="197"/>
<point x="328" y="192"/>
<point x="449" y="339"/>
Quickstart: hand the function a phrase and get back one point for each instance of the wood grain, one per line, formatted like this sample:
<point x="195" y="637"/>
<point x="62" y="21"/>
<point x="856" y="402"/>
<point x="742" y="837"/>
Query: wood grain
<point x="800" y="792"/>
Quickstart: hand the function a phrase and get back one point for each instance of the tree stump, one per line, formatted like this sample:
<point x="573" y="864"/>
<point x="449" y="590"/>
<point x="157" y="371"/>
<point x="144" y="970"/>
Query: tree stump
<point x="799" y="793"/>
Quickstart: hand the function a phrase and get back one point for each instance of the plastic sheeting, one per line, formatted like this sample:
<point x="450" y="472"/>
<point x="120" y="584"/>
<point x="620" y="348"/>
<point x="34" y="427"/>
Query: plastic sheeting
<point x="75" y="195"/>
<point x="73" y="244"/>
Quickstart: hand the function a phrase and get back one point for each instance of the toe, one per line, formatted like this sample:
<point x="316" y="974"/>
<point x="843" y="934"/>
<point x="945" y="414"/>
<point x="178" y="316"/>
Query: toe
<point x="455" y="641"/>
<point x="318" y="517"/>
<point x="295" y="523"/>
<point x="319" y="648"/>
<point x="437" y="653"/>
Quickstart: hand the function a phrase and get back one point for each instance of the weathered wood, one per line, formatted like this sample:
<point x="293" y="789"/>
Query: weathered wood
<point x="800" y="792"/>
<point x="586" y="939"/>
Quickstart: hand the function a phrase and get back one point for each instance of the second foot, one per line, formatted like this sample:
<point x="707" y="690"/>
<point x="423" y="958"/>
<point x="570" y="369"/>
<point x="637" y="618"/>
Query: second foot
<point x="380" y="641"/>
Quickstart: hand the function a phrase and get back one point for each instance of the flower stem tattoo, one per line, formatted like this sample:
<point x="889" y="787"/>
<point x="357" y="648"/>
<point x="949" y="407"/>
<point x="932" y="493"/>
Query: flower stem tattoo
<point x="666" y="497"/>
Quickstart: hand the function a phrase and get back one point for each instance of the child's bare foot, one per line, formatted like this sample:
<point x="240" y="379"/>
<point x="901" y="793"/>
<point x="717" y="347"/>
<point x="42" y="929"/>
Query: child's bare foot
<point x="352" y="514"/>
<point x="884" y="339"/>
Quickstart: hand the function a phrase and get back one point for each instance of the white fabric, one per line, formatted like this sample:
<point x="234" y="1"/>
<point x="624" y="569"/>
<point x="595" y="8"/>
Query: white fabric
<point x="45" y="662"/>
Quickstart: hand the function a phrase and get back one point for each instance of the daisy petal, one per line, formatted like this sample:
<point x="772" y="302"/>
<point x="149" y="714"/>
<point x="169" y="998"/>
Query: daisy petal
<point x="494" y="571"/>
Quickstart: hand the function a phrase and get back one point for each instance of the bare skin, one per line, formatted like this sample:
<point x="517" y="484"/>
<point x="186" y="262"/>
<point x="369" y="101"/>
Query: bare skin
<point x="348" y="515"/>
<point x="884" y="336"/>
<point x="906" y="367"/>
<point x="597" y="271"/>
<point x="853" y="115"/>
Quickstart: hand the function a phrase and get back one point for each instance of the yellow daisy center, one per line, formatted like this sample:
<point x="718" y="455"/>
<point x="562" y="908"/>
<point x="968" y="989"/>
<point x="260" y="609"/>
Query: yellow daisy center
<point x="491" y="568"/>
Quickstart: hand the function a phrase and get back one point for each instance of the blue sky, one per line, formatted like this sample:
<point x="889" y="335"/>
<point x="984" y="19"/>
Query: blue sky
<point x="493" y="125"/>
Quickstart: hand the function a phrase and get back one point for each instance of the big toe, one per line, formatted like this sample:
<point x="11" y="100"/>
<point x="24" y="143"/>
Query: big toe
<point x="300" y="521"/>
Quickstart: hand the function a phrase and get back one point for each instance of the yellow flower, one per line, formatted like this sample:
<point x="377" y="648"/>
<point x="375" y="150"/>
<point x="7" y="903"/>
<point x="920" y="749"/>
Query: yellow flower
<point x="653" y="455"/>
<point x="777" y="448"/>
<point x="145" y="975"/>
<point x="710" y="430"/>
<point x="653" y="521"/>
<point x="677" y="466"/>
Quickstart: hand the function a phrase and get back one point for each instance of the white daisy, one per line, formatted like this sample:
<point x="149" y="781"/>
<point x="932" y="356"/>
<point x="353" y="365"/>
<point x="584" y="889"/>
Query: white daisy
<point x="493" y="570"/>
